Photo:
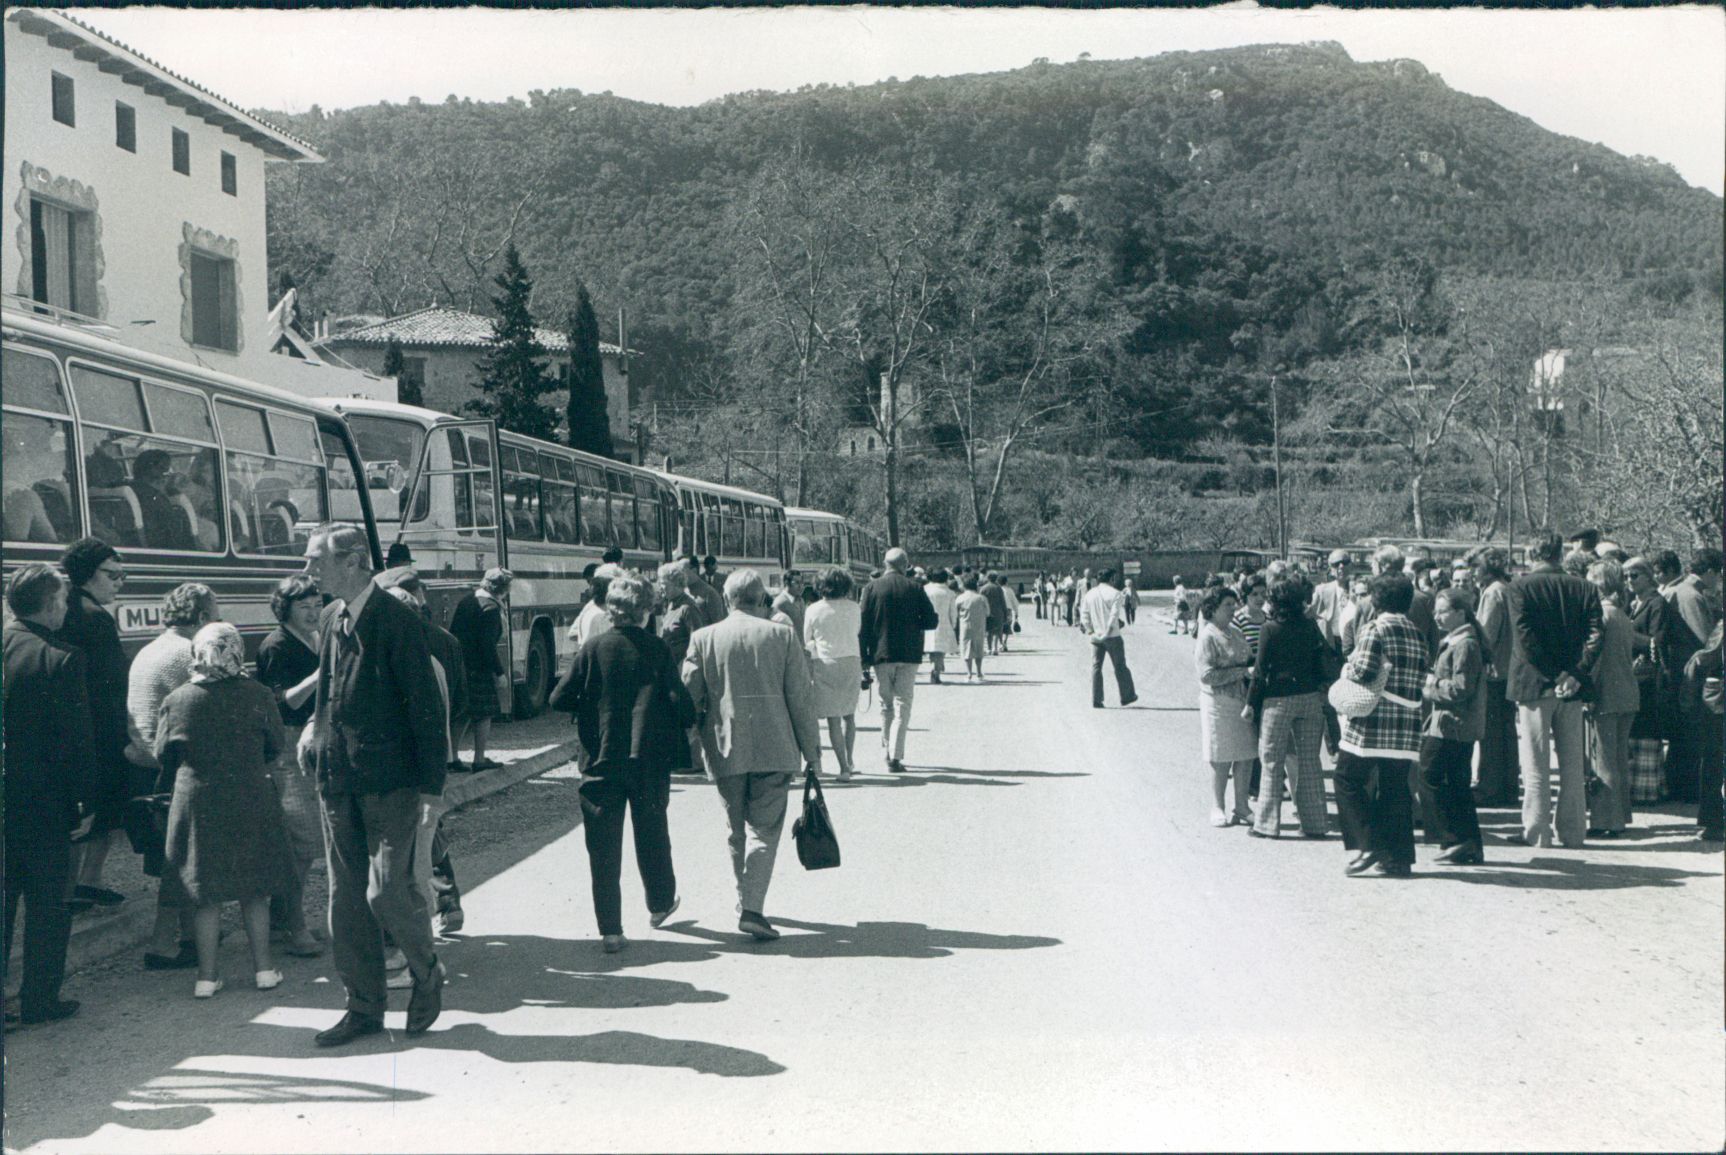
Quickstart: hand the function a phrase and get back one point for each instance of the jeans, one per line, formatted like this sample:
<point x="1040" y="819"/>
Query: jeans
<point x="1373" y="806"/>
<point x="1542" y="725"/>
<point x="755" y="809"/>
<point x="898" y="685"/>
<point x="372" y="840"/>
<point x="646" y="792"/>
<point x="1116" y="649"/>
<point x="1447" y="802"/>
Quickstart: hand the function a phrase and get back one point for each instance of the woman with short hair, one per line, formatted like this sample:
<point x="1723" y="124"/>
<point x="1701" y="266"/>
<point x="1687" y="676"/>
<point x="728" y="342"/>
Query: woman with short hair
<point x="1287" y="694"/>
<point x="971" y="620"/>
<point x="830" y="629"/>
<point x="288" y="666"/>
<point x="633" y="716"/>
<point x="1224" y="659"/>
<point x="944" y="638"/>
<point x="479" y="622"/>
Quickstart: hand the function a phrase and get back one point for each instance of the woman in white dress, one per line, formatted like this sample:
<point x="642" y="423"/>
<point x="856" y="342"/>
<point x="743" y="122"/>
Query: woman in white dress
<point x="1225" y="658"/>
<point x="830" y="629"/>
<point x="944" y="638"/>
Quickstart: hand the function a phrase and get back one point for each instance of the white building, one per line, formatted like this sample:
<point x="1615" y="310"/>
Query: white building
<point x="137" y="203"/>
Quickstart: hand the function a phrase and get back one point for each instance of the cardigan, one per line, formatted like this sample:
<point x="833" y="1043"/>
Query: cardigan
<point x="629" y="705"/>
<point x="1456" y="689"/>
<point x="1290" y="661"/>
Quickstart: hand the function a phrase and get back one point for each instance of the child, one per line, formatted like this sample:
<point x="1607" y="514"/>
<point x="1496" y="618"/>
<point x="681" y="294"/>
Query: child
<point x="1183" y="611"/>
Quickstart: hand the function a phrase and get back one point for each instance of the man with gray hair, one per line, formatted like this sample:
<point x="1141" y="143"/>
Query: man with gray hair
<point x="749" y="680"/>
<point x="895" y="613"/>
<point x="1389" y="559"/>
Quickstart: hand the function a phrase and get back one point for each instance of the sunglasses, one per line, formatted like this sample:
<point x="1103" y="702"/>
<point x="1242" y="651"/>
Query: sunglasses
<point x="112" y="574"/>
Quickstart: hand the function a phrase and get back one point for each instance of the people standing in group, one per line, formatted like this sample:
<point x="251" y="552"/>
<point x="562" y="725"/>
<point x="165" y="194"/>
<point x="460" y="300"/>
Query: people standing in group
<point x="1226" y="737"/>
<point x="896" y="613"/>
<point x="633" y="714"/>
<point x="971" y="624"/>
<point x="748" y="680"/>
<point x="1455" y="718"/>
<point x="1380" y="749"/>
<point x="1284" y="694"/>
<point x="217" y="737"/>
<point x="1612" y="710"/>
<point x="830" y="630"/>
<point x="377" y="740"/>
<point x="288" y="668"/>
<point x="50" y="782"/>
<point x="942" y="638"/>
<point x="1555" y="632"/>
<point x="1499" y="775"/>
<point x="157" y="670"/>
<point x="479" y="623"/>
<point x="1251" y="617"/>
<point x="999" y="614"/>
<point x="97" y="573"/>
<point x="1102" y="615"/>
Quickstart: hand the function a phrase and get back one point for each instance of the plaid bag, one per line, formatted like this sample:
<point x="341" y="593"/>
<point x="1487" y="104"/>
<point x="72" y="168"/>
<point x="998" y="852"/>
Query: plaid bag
<point x="1646" y="780"/>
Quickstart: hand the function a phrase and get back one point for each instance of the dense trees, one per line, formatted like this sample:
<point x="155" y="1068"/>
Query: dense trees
<point x="588" y="418"/>
<point x="513" y="380"/>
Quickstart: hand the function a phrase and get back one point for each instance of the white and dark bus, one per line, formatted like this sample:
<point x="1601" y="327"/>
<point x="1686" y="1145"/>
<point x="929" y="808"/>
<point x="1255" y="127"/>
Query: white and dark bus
<point x="192" y="474"/>
<point x="822" y="541"/>
<point x="738" y="528"/>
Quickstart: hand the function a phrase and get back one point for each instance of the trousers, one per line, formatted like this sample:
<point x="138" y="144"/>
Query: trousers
<point x="1373" y="806"/>
<point x="755" y="810"/>
<point x="301" y="818"/>
<point x="644" y="792"/>
<point x="38" y="870"/>
<point x="1542" y="725"/>
<point x="1116" y="649"/>
<point x="373" y="840"/>
<point x="1447" y="801"/>
<point x="898" y="686"/>
<point x="1292" y="725"/>
<point x="1609" y="734"/>
<point x="1498" y="757"/>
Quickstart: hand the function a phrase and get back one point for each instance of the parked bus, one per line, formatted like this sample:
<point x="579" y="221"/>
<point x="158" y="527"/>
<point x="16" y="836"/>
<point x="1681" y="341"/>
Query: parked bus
<point x="822" y="540"/>
<point x="739" y="528"/>
<point x="193" y="475"/>
<point x="1444" y="551"/>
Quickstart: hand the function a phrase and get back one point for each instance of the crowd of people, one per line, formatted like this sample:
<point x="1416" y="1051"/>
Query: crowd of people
<point x="1441" y="690"/>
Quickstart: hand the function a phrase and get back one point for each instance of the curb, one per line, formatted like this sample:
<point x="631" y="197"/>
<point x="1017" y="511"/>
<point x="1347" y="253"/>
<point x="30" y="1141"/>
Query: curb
<point x="98" y="939"/>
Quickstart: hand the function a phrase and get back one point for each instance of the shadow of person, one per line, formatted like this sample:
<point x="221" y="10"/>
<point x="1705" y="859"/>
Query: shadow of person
<point x="1566" y="874"/>
<point x="908" y="940"/>
<point x="625" y="1048"/>
<point x="494" y="973"/>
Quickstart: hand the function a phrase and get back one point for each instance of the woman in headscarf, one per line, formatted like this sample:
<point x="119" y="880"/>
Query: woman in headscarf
<point x="218" y="736"/>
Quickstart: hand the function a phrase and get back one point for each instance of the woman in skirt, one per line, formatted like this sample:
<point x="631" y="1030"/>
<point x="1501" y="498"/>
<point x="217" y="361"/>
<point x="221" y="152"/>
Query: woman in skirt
<point x="830" y="629"/>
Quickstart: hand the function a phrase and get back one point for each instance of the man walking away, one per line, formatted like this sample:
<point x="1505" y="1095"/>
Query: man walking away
<point x="749" y="682"/>
<point x="378" y="740"/>
<point x="896" y="611"/>
<point x="1101" y="616"/>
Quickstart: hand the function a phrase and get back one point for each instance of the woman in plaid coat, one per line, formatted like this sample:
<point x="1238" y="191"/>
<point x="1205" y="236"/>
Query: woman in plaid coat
<point x="1373" y="803"/>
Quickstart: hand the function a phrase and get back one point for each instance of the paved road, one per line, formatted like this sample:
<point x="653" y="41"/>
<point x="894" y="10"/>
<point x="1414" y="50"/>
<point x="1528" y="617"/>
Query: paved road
<point x="1036" y="941"/>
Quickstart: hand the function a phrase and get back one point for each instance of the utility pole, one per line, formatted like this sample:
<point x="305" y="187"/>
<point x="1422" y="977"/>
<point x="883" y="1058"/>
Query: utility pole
<point x="1277" y="464"/>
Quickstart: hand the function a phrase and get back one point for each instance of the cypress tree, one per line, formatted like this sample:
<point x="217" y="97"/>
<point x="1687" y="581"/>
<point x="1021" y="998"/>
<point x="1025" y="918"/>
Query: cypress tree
<point x="407" y="392"/>
<point x="589" y="422"/>
<point x="512" y="373"/>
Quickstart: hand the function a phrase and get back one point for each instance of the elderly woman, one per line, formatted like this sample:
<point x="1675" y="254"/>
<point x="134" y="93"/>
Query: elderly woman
<point x="633" y="716"/>
<point x="830" y="629"/>
<point x="1379" y="751"/>
<point x="218" y="735"/>
<point x="944" y="638"/>
<point x="1287" y="694"/>
<point x="1455" y="696"/>
<point x="288" y="666"/>
<point x="1616" y="701"/>
<point x="1224" y="659"/>
<point x="971" y="622"/>
<point x="478" y="623"/>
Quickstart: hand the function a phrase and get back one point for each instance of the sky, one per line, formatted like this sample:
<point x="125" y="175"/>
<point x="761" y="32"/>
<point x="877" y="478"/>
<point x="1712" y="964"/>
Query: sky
<point x="1641" y="82"/>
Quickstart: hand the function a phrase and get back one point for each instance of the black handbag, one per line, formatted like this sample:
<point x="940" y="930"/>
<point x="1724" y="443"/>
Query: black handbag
<point x="146" y="824"/>
<point x="817" y="844"/>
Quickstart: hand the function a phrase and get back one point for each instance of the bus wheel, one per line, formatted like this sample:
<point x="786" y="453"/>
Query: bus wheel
<point x="541" y="665"/>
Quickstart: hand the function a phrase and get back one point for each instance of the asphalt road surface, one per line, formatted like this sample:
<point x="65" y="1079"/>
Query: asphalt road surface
<point x="1036" y="941"/>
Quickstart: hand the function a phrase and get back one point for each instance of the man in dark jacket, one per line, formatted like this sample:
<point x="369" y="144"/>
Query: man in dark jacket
<point x="896" y="611"/>
<point x="1555" y="640"/>
<point x="49" y="757"/>
<point x="378" y="741"/>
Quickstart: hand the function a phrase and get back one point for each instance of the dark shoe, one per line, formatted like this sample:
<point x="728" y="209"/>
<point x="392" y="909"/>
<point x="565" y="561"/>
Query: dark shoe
<point x="1361" y="863"/>
<point x="459" y="767"/>
<point x="1393" y="870"/>
<point x="757" y="927"/>
<point x="353" y="1026"/>
<point x="1711" y="834"/>
<point x="1096" y="705"/>
<point x="656" y="919"/>
<point x="79" y="905"/>
<point x="1251" y="833"/>
<point x="1462" y="854"/>
<point x="427" y="1001"/>
<point x="1516" y="840"/>
<point x="894" y="766"/>
<point x="1129" y="701"/>
<point x="52" y="1013"/>
<point x="100" y="895"/>
<point x="185" y="960"/>
<point x="487" y="764"/>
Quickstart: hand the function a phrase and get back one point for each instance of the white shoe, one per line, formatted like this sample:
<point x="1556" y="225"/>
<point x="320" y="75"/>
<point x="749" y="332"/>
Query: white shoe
<point x="206" y="989"/>
<point x="1220" y="817"/>
<point x="399" y="980"/>
<point x="268" y="980"/>
<point x="658" y="920"/>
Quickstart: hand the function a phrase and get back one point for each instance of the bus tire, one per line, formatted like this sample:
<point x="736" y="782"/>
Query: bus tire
<point x="541" y="670"/>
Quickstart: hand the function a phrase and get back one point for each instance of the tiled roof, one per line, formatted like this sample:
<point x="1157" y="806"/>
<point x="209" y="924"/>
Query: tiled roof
<point x="442" y="326"/>
<point x="63" y="31"/>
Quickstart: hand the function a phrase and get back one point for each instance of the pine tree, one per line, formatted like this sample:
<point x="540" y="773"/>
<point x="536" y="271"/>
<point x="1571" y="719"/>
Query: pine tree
<point x="589" y="421"/>
<point x="407" y="389"/>
<point x="512" y="373"/>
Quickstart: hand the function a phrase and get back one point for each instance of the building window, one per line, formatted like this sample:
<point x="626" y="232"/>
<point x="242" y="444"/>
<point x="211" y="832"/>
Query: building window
<point x="215" y="323"/>
<point x="64" y="112"/>
<point x="62" y="265"/>
<point x="413" y="374"/>
<point x="125" y="127"/>
<point x="182" y="153"/>
<point x="230" y="175"/>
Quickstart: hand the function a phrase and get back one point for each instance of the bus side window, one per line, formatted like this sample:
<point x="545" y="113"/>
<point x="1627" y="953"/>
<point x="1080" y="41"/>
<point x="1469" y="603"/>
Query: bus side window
<point x="647" y="513"/>
<point x="145" y="491"/>
<point x="41" y="466"/>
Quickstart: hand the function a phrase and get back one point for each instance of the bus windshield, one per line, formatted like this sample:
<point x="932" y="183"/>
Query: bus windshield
<point x="383" y="442"/>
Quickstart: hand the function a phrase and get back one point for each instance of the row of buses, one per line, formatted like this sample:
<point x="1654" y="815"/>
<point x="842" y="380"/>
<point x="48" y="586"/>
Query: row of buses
<point x="196" y="475"/>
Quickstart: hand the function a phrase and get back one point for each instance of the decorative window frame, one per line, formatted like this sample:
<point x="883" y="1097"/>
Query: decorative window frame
<point x="39" y="183"/>
<point x="196" y="240"/>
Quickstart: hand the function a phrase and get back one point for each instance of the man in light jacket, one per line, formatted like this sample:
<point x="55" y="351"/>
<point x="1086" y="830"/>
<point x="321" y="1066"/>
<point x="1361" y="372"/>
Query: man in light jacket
<point x="749" y="680"/>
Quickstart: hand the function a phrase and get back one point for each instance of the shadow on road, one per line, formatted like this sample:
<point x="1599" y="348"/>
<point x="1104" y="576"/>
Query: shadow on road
<point x="1563" y="874"/>
<point x="911" y="940"/>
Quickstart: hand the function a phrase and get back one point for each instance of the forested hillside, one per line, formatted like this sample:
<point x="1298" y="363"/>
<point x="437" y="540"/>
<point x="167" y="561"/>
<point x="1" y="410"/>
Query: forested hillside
<point x="1103" y="259"/>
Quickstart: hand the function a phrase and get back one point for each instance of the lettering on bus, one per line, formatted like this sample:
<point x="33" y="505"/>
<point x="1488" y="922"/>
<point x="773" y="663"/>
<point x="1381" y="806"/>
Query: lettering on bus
<point x="140" y="618"/>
